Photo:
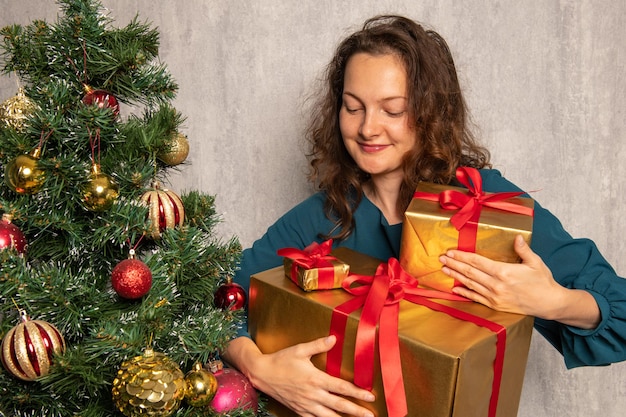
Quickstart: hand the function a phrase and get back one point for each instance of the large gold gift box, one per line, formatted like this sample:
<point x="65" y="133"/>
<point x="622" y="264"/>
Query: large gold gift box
<point x="447" y="364"/>
<point x="427" y="234"/>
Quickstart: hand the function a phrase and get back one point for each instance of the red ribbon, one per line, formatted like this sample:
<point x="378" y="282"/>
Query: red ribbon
<point x="470" y="204"/>
<point x="379" y="295"/>
<point x="316" y="255"/>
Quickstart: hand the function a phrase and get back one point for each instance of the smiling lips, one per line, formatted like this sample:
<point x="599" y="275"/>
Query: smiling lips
<point x="372" y="148"/>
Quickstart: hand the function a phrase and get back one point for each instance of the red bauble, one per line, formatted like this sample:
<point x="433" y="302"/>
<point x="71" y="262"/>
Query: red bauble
<point x="230" y="296"/>
<point x="102" y="99"/>
<point x="11" y="236"/>
<point x="131" y="278"/>
<point x="234" y="390"/>
<point x="28" y="348"/>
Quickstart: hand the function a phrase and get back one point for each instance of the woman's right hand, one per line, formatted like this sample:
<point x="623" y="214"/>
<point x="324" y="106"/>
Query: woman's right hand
<point x="290" y="377"/>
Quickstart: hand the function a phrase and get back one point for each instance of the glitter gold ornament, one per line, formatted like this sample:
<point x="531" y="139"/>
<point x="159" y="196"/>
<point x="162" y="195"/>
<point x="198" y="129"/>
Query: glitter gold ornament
<point x="200" y="386"/>
<point x="175" y="151"/>
<point x="165" y="209"/>
<point x="28" y="348"/>
<point x="100" y="192"/>
<point x="23" y="175"/>
<point x="15" y="111"/>
<point x="149" y="385"/>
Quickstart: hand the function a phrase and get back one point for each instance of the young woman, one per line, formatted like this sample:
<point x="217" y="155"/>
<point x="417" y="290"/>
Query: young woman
<point x="391" y="115"/>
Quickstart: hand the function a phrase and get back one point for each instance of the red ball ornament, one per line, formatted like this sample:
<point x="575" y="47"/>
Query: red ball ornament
<point x="28" y="348"/>
<point x="230" y="296"/>
<point x="10" y="236"/>
<point x="234" y="390"/>
<point x="102" y="99"/>
<point x="131" y="278"/>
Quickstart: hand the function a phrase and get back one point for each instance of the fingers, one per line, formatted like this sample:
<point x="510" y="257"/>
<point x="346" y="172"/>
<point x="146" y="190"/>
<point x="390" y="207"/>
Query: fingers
<point x="310" y="391"/>
<point x="314" y="347"/>
<point x="524" y="251"/>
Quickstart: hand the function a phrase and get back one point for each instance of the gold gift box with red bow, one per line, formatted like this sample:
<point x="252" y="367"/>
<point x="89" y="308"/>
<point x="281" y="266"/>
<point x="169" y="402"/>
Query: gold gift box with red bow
<point x="429" y="231"/>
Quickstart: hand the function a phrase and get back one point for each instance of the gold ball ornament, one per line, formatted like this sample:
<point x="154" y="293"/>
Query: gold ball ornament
<point x="100" y="192"/>
<point x="176" y="151"/>
<point x="28" y="348"/>
<point x="201" y="386"/>
<point x="15" y="111"/>
<point x="165" y="209"/>
<point x="22" y="174"/>
<point x="149" y="385"/>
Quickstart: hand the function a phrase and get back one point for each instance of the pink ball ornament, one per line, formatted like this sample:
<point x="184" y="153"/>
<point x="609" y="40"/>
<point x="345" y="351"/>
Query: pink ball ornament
<point x="234" y="390"/>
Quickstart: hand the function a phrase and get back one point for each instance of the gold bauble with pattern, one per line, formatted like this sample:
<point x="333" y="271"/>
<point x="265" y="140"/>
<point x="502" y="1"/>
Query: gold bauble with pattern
<point x="15" y="111"/>
<point x="175" y="151"/>
<point x="165" y="209"/>
<point x="148" y="385"/>
<point x="28" y="348"/>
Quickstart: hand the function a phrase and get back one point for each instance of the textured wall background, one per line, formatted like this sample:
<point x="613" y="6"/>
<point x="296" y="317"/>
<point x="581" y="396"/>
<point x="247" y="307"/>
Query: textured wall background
<point x="545" y="80"/>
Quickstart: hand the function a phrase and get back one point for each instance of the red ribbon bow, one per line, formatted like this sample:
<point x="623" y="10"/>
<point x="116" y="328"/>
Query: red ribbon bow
<point x="316" y="255"/>
<point x="470" y="204"/>
<point x="379" y="295"/>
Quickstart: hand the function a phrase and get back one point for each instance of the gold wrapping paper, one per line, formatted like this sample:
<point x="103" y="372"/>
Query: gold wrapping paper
<point x="427" y="234"/>
<point x="447" y="363"/>
<point x="308" y="279"/>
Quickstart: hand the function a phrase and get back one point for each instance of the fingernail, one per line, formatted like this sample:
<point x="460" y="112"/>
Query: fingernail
<point x="369" y="397"/>
<point x="442" y="259"/>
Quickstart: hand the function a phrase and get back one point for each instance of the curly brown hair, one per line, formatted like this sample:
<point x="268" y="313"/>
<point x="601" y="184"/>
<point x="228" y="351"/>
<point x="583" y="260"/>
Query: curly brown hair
<point x="436" y="107"/>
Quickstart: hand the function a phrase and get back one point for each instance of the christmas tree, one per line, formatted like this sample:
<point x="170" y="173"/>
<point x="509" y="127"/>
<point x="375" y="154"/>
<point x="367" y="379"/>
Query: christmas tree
<point x="106" y="275"/>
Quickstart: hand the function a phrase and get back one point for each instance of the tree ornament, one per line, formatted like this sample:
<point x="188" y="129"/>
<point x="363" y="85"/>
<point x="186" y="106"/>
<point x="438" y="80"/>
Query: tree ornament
<point x="102" y="99"/>
<point x="11" y="237"/>
<point x="165" y="209"/>
<point x="234" y="390"/>
<point x="175" y="151"/>
<point x="15" y="111"/>
<point x="131" y="278"/>
<point x="151" y="384"/>
<point x="100" y="192"/>
<point x="28" y="348"/>
<point x="230" y="296"/>
<point x="200" y="386"/>
<point x="22" y="174"/>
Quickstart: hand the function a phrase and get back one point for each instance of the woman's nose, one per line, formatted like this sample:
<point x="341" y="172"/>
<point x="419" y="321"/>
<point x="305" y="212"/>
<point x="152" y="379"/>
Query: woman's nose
<point x="370" y="125"/>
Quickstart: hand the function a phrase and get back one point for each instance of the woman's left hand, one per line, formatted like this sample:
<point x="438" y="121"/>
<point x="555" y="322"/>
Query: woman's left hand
<point x="524" y="288"/>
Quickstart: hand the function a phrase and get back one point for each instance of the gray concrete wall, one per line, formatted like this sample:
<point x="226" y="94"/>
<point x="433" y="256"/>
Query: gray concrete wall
<point x="545" y="80"/>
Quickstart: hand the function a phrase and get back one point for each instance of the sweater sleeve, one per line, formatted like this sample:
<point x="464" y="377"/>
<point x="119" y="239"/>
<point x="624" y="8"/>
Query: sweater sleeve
<point x="297" y="228"/>
<point x="576" y="263"/>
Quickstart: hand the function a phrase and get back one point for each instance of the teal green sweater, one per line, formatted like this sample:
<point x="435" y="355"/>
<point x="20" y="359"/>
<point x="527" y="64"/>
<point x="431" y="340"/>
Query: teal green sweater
<point x="575" y="263"/>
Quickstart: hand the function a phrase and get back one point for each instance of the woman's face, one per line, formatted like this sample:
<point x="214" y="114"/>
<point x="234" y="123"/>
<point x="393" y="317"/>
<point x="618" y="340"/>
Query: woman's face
<point x="374" y="116"/>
